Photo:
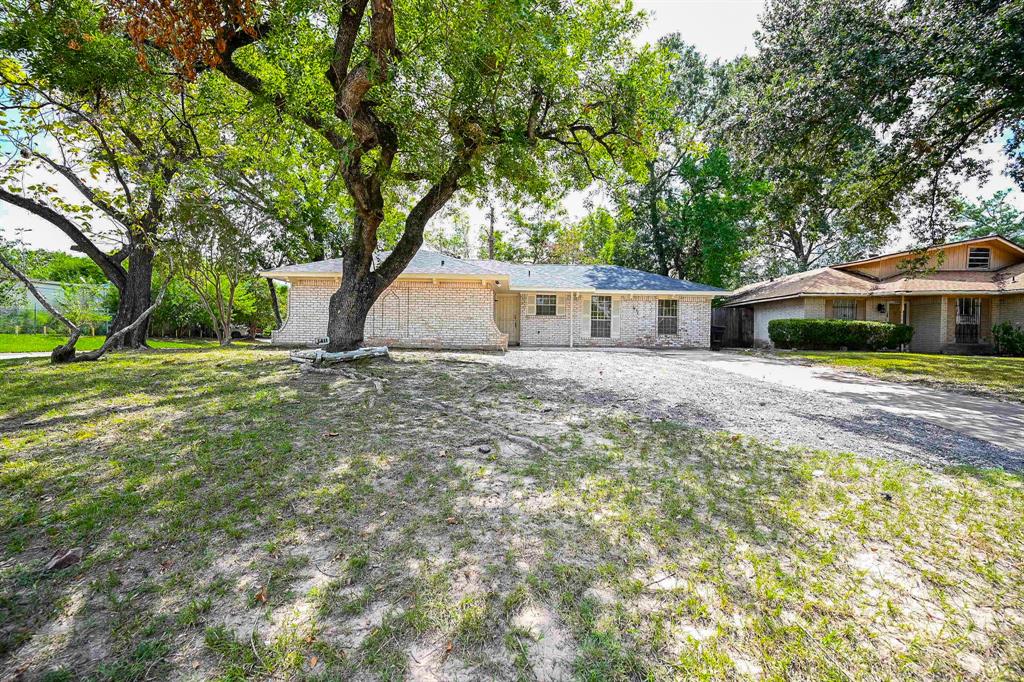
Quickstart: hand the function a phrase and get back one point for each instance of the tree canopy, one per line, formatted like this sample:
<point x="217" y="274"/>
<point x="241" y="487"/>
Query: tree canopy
<point x="417" y="100"/>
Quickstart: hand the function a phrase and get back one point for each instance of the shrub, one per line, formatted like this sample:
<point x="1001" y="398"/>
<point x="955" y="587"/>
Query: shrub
<point x="1009" y="338"/>
<point x="838" y="334"/>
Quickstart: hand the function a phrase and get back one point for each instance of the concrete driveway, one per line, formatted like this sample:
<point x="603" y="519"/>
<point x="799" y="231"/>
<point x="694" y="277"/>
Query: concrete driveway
<point x="996" y="421"/>
<point x="790" y="403"/>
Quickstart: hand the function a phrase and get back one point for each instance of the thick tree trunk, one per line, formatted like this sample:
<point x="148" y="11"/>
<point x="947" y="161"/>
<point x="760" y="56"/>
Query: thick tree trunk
<point x="274" y="303"/>
<point x="655" y="217"/>
<point x="349" y="306"/>
<point x="136" y="297"/>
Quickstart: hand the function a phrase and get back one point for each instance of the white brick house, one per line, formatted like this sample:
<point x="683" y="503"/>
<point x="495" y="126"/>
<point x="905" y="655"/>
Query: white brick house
<point x="445" y="302"/>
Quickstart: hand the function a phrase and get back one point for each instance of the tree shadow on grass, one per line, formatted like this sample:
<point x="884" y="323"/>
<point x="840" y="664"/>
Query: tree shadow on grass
<point x="466" y="521"/>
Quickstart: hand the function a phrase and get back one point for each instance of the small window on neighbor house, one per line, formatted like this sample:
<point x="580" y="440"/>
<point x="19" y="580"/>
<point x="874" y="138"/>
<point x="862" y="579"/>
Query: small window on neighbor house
<point x="844" y="310"/>
<point x="979" y="258"/>
<point x="601" y="317"/>
<point x="547" y="304"/>
<point x="668" y="317"/>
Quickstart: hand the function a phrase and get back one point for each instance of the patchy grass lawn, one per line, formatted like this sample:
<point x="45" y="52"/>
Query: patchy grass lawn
<point x="35" y="343"/>
<point x="1003" y="377"/>
<point x="441" y="517"/>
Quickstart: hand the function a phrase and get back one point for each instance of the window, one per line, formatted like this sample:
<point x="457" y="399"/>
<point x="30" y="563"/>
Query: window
<point x="979" y="258"/>
<point x="844" y="310"/>
<point x="547" y="305"/>
<point x="968" y="320"/>
<point x="668" y="317"/>
<point x="601" y="317"/>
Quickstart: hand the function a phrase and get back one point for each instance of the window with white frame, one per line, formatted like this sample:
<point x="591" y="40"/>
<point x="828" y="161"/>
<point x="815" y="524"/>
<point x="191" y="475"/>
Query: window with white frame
<point x="979" y="258"/>
<point x="844" y="309"/>
<point x="547" y="305"/>
<point x="668" y="317"/>
<point x="601" y="317"/>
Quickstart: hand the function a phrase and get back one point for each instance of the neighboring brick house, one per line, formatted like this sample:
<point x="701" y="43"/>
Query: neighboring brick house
<point x="445" y="302"/>
<point x="953" y="302"/>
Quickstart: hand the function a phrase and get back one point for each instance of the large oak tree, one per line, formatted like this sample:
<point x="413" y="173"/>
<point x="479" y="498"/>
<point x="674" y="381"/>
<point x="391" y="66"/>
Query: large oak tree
<point x="79" y="111"/>
<point x="911" y="88"/>
<point x="417" y="100"/>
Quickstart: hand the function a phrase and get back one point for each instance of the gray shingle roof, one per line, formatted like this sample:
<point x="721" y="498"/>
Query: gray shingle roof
<point x="599" y="277"/>
<point x="425" y="262"/>
<point x="521" y="276"/>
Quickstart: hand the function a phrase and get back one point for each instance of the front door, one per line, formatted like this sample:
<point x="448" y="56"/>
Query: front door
<point x="968" y="320"/>
<point x="898" y="312"/>
<point x="506" y="316"/>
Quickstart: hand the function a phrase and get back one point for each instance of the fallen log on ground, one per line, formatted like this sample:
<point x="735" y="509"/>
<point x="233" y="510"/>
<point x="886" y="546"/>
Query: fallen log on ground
<point x="321" y="358"/>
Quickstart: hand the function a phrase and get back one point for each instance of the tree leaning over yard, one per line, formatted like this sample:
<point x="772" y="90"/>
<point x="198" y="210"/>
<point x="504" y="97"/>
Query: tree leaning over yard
<point x="419" y="99"/>
<point x="84" y="114"/>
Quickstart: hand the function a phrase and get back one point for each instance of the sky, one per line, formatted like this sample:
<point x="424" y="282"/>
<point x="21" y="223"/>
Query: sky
<point x="721" y="29"/>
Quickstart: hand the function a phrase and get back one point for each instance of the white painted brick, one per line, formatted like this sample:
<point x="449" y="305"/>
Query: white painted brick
<point x="637" y="323"/>
<point x="409" y="313"/>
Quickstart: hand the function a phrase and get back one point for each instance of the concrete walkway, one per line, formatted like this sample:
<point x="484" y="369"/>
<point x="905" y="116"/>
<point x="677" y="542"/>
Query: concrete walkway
<point x="15" y="356"/>
<point x="989" y="419"/>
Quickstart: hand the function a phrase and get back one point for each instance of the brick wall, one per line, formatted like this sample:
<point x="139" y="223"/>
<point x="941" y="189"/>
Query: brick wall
<point x="816" y="308"/>
<point x="307" y="311"/>
<point x="410" y="314"/>
<point x="925" y="318"/>
<point x="778" y="310"/>
<point x="634" y="323"/>
<point x="1011" y="309"/>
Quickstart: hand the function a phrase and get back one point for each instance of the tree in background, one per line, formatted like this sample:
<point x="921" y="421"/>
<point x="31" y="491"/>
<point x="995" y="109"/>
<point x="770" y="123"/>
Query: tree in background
<point x="79" y="111"/>
<point x="690" y="215"/>
<point x="452" y="236"/>
<point x="215" y="243"/>
<point x="890" y="100"/>
<point x="11" y="292"/>
<point x="992" y="215"/>
<point x="82" y="304"/>
<point x="419" y="100"/>
<point x="593" y="239"/>
<point x="57" y="266"/>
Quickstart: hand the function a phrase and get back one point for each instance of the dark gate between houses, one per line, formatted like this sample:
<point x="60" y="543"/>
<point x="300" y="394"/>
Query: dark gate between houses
<point x="732" y="327"/>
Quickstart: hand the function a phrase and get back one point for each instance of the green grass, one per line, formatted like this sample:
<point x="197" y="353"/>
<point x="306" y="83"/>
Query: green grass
<point x="33" y="343"/>
<point x="242" y="520"/>
<point x="992" y="375"/>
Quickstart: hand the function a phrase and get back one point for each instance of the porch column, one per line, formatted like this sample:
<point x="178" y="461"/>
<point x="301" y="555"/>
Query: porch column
<point x="943" y="321"/>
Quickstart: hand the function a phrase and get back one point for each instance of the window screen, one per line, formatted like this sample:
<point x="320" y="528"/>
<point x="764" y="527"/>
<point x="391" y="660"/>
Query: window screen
<point x="844" y="310"/>
<point x="601" y="317"/>
<point x="668" y="317"/>
<point x="547" y="304"/>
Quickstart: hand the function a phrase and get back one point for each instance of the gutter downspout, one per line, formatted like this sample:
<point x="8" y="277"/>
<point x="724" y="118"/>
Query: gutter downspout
<point x="572" y="316"/>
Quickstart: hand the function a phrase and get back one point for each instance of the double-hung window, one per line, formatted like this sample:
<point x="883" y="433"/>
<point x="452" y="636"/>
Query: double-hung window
<point x="668" y="317"/>
<point x="547" y="305"/>
<point x="601" y="317"/>
<point x="844" y="309"/>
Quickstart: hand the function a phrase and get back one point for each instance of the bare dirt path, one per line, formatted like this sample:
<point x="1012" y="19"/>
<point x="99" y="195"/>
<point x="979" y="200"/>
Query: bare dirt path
<point x="789" y="403"/>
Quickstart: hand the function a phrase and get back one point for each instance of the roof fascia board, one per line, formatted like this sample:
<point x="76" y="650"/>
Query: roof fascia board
<point x="886" y="256"/>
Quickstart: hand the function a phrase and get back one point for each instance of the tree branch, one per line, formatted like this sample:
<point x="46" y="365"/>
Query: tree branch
<point x="85" y="190"/>
<point x="111" y="268"/>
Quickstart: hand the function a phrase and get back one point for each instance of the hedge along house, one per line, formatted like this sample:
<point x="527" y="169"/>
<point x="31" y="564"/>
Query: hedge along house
<point x="445" y="302"/>
<point x="963" y="290"/>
